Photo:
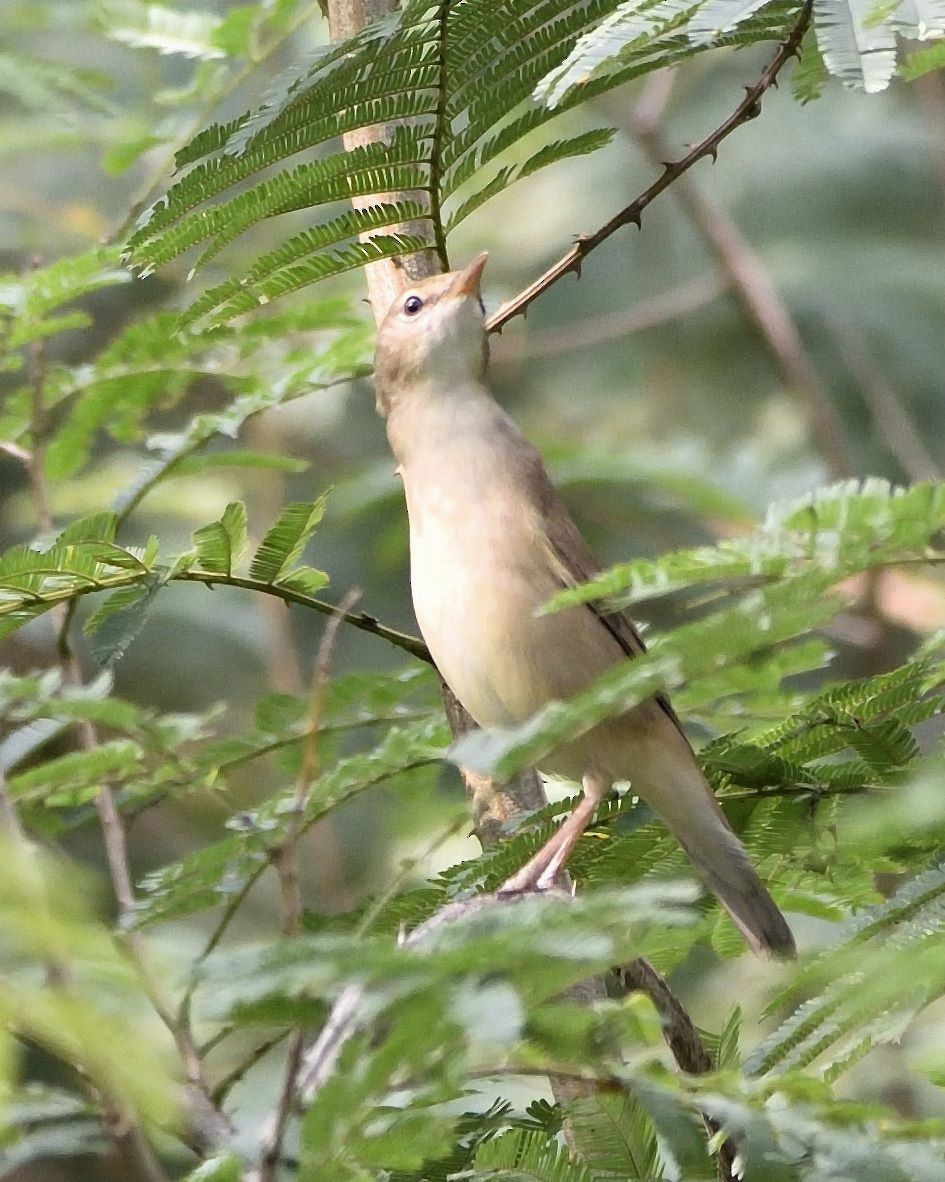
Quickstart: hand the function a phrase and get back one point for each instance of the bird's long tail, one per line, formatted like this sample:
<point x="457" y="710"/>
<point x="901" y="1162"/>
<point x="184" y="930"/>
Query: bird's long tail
<point x="676" y="788"/>
<point x="727" y="872"/>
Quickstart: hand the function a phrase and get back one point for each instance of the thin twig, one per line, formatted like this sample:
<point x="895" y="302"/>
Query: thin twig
<point x="751" y="282"/>
<point x="365" y="623"/>
<point x="189" y="447"/>
<point x="284" y="672"/>
<point x="661" y="309"/>
<point x="361" y="620"/>
<point x="222" y="1089"/>
<point x="285" y="859"/>
<point x="193" y="978"/>
<point x="747" y="109"/>
<point x="894" y="423"/>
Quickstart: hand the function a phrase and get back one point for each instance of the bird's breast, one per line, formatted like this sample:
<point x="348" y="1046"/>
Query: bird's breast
<point x="479" y="576"/>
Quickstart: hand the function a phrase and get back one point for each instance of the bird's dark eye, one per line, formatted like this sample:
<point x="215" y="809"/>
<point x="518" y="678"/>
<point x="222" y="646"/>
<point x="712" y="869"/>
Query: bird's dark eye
<point x="412" y="305"/>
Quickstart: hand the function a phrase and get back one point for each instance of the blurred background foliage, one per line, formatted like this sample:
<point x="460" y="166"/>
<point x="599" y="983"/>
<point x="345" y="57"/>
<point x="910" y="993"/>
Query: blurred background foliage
<point x="669" y="415"/>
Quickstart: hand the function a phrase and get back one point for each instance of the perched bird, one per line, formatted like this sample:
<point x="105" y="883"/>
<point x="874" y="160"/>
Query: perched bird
<point x="490" y="544"/>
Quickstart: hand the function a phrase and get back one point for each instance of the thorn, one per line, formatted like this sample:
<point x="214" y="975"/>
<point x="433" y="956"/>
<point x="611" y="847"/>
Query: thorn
<point x="636" y="219"/>
<point x="714" y="153"/>
<point x="668" y="164"/>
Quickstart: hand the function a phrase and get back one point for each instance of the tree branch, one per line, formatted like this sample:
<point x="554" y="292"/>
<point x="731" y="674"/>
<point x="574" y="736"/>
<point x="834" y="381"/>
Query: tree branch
<point x="747" y="109"/>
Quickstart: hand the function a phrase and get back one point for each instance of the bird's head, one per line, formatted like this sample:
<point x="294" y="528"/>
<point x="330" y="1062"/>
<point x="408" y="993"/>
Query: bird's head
<point x="434" y="334"/>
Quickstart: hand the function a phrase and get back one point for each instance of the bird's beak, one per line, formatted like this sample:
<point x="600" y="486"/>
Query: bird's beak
<point x="467" y="281"/>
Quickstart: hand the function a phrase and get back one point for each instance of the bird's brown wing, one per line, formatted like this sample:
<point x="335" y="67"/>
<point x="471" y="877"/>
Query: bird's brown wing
<point x="574" y="563"/>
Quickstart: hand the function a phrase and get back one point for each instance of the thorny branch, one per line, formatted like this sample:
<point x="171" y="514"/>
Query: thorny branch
<point x="747" y="109"/>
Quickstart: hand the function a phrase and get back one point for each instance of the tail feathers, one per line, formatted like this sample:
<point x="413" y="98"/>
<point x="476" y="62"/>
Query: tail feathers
<point x="723" y="864"/>
<point x="663" y="769"/>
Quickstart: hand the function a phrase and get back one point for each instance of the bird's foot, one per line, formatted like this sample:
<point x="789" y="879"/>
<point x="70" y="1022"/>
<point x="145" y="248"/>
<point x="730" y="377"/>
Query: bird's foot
<point x="519" y="884"/>
<point x="530" y="879"/>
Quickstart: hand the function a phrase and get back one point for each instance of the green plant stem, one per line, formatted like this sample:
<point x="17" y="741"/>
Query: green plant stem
<point x="365" y="623"/>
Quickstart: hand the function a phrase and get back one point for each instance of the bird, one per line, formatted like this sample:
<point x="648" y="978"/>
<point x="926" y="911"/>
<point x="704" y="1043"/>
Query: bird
<point x="491" y="542"/>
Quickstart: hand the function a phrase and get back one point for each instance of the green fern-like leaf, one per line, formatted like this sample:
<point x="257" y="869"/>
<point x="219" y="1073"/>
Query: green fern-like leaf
<point x="909" y="921"/>
<point x="616" y="1137"/>
<point x="716" y="17"/>
<point x="628" y="26"/>
<point x="206" y="878"/>
<point x="861" y="55"/>
<point x="923" y="61"/>
<point x="220" y="544"/>
<point x="283" y="544"/>
<point x="167" y="30"/>
<point x="523" y="1156"/>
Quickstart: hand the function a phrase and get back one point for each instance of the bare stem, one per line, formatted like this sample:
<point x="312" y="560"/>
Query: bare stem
<point x="894" y="423"/>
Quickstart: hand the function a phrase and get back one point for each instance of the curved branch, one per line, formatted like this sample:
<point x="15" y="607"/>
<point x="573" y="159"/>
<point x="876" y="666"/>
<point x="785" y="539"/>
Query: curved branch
<point x="747" y="109"/>
<point x="360" y="620"/>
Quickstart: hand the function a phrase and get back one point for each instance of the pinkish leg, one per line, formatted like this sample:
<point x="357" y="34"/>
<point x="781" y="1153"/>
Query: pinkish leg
<point x="540" y="871"/>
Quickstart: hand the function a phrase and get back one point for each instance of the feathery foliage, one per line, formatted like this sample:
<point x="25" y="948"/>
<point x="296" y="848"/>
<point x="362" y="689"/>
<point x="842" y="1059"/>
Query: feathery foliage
<point x="833" y="782"/>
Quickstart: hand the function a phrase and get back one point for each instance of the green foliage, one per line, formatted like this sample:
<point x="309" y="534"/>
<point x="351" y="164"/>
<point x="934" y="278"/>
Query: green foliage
<point x="92" y="1008"/>
<point x="466" y="87"/>
<point x="833" y="781"/>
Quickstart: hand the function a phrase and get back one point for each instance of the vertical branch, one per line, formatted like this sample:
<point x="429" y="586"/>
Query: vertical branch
<point x="286" y="863"/>
<point x="385" y="279"/>
<point x="283" y="668"/>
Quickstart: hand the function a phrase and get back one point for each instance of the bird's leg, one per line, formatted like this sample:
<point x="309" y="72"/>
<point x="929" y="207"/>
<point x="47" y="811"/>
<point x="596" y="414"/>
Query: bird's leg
<point x="539" y="872"/>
